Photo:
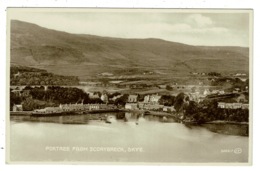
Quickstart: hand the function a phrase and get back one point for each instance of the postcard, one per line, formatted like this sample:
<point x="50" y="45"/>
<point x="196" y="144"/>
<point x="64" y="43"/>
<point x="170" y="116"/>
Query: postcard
<point x="129" y="86"/>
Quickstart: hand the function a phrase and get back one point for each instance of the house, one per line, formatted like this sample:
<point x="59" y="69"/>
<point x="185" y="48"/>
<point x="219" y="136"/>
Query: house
<point x="232" y="105"/>
<point x="196" y="96"/>
<point x="64" y="107"/>
<point x="17" y="107"/>
<point x="141" y="105"/>
<point x="221" y="105"/>
<point x="237" y="105"/>
<point x="237" y="89"/>
<point x="221" y="92"/>
<point x="152" y="99"/>
<point x="94" y="107"/>
<point x="238" y="74"/>
<point x="149" y="106"/>
<point x="39" y="111"/>
<point x="215" y="91"/>
<point x="163" y="86"/>
<point x="131" y="106"/>
<point x="104" y="98"/>
<point x="168" y="109"/>
<point x="243" y="79"/>
<point x="229" y="106"/>
<point x="52" y="109"/>
<point x="194" y="73"/>
<point x="155" y="98"/>
<point x="49" y="110"/>
<point x="218" y="92"/>
<point x="132" y="98"/>
<point x="147" y="99"/>
<point x="45" y="88"/>
<point x="72" y="107"/>
<point x="206" y="92"/>
<point x="93" y="96"/>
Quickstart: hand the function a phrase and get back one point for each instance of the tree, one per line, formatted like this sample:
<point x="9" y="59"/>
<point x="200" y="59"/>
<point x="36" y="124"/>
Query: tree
<point x="178" y="104"/>
<point x="14" y="99"/>
<point x="167" y="100"/>
<point x="191" y="109"/>
<point x="122" y="100"/>
<point x="214" y="74"/>
<point x="169" y="88"/>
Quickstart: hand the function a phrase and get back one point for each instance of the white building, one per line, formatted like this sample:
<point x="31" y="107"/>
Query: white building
<point x="132" y="98"/>
<point x="49" y="110"/>
<point x="94" y="96"/>
<point x="17" y="107"/>
<point x="104" y="98"/>
<point x="94" y="107"/>
<point x="206" y="92"/>
<point x="221" y="105"/>
<point x="169" y="109"/>
<point x="152" y="99"/>
<point x="224" y="105"/>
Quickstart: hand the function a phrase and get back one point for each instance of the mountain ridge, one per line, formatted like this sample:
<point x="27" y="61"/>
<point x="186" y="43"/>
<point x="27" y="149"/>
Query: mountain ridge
<point x="33" y="45"/>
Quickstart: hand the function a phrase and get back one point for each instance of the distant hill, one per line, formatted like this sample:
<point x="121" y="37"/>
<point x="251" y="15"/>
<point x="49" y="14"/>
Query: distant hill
<point x="32" y="45"/>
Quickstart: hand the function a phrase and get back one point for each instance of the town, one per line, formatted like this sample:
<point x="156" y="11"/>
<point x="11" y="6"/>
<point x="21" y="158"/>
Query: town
<point x="194" y="103"/>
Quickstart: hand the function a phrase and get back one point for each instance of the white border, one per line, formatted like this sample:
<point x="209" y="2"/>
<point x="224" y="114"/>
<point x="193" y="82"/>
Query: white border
<point x="130" y="4"/>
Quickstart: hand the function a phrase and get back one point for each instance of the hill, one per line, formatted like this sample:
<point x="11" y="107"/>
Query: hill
<point x="87" y="55"/>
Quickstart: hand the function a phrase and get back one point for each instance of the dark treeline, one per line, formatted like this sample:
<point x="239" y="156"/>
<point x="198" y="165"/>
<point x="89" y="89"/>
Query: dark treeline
<point x="16" y="68"/>
<point x="167" y="100"/>
<point x="208" y="111"/>
<point x="57" y="94"/>
<point x="21" y="75"/>
<point x="215" y="74"/>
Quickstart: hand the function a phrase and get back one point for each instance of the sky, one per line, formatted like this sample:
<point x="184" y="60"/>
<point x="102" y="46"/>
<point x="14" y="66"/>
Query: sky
<point x="207" y="28"/>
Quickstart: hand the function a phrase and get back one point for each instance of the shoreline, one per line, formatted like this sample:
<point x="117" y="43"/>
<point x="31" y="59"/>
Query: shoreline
<point x="221" y="127"/>
<point x="227" y="122"/>
<point x="144" y="112"/>
<point x="30" y="113"/>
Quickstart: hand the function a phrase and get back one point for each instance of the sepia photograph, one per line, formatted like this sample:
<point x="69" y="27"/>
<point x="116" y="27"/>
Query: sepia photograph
<point x="129" y="86"/>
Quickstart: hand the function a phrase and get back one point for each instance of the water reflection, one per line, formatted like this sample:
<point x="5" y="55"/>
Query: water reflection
<point x="160" y="142"/>
<point x="85" y="118"/>
<point x="133" y="118"/>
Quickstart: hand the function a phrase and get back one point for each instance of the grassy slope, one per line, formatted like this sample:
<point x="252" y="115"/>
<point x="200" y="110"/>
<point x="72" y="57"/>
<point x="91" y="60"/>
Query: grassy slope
<point x="86" y="55"/>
